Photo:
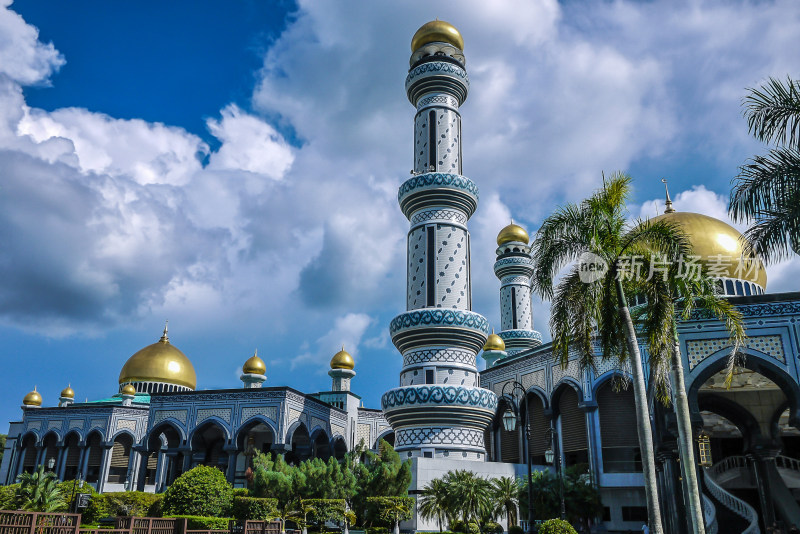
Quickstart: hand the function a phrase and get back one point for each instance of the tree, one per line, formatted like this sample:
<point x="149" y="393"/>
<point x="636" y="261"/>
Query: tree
<point x="379" y="475"/>
<point x="767" y="189"/>
<point x="597" y="231"/>
<point x="505" y="492"/>
<point x="2" y="446"/>
<point x="392" y="509"/>
<point x="278" y="480"/>
<point x="669" y="296"/>
<point x="434" y="502"/>
<point x="202" y="491"/>
<point x="470" y="494"/>
<point x="39" y="492"/>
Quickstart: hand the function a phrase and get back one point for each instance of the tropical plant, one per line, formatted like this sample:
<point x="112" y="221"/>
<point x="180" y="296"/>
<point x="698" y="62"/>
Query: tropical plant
<point x="470" y="494"/>
<point x="8" y="497"/>
<point x="39" y="492"/>
<point x="434" y="502"/>
<point x="505" y="494"/>
<point x="201" y="491"/>
<point x="280" y="481"/>
<point x="377" y="475"/>
<point x="597" y="231"/>
<point x="556" y="526"/>
<point x="767" y="189"/>
<point x="391" y="509"/>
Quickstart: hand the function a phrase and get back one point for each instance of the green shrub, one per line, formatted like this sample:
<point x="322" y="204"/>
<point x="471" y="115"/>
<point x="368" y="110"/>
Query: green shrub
<point x="8" y="497"/>
<point x="377" y="530"/>
<point x="492" y="528"/>
<point x="127" y="503"/>
<point x="389" y="510"/>
<point x="241" y="492"/>
<point x="254" y="508"/>
<point x="97" y="503"/>
<point x="556" y="526"/>
<point x="199" y="522"/>
<point x="326" y="510"/>
<point x="202" y="491"/>
<point x="155" y="509"/>
<point x="461" y="527"/>
<point x="516" y="529"/>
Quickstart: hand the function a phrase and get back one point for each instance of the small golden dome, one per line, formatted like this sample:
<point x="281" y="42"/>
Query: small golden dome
<point x="254" y="365"/>
<point x="128" y="389"/>
<point x="512" y="232"/>
<point x="719" y="243"/>
<point x="68" y="392"/>
<point x="159" y="362"/>
<point x="32" y="399"/>
<point x="437" y="31"/>
<point x="342" y="360"/>
<point x="494" y="342"/>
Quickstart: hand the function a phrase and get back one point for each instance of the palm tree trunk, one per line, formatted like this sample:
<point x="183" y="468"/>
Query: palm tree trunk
<point x="642" y="416"/>
<point x="685" y="439"/>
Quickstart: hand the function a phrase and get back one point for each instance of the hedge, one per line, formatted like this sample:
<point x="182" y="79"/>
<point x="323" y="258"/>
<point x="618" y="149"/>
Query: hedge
<point x="125" y="503"/>
<point x="97" y="504"/>
<point x="326" y="509"/>
<point x="254" y="508"/>
<point x="202" y="491"/>
<point x="461" y="527"/>
<point x="199" y="522"/>
<point x="389" y="510"/>
<point x="516" y="529"/>
<point x="556" y="526"/>
<point x="8" y="497"/>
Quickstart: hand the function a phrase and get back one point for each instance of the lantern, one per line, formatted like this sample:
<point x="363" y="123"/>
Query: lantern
<point x="509" y="421"/>
<point x="704" y="449"/>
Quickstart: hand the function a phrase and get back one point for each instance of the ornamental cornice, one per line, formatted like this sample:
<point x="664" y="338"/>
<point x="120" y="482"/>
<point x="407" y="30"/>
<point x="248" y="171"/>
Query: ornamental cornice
<point x="437" y="179"/>
<point x="439" y="316"/>
<point x="754" y="310"/>
<point x="436" y="67"/>
<point x="439" y="395"/>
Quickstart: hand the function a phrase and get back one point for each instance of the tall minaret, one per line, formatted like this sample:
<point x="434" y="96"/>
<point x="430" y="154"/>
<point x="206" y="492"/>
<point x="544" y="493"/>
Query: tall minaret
<point x="514" y="268"/>
<point x="439" y="410"/>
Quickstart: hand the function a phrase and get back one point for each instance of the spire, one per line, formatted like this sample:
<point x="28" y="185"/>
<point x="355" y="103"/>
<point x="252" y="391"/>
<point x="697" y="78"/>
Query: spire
<point x="668" y="204"/>
<point x="164" y="337"/>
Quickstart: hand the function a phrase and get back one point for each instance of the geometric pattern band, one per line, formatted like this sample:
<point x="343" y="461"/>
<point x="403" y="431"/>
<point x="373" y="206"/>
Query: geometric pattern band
<point x="438" y="436"/>
<point x="440" y="355"/>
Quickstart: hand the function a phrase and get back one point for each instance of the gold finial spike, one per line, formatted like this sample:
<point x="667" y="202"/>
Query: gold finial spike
<point x="164" y="337"/>
<point x="255" y="353"/>
<point x="668" y="204"/>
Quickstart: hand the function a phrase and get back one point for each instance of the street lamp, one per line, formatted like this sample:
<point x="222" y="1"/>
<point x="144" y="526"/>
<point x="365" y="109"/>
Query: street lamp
<point x="510" y="422"/>
<point x="549" y="456"/>
<point x="50" y="463"/>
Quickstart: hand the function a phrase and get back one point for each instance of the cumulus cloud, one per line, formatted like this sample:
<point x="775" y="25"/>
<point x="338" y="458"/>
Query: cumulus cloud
<point x="23" y="58"/>
<point x="346" y="332"/>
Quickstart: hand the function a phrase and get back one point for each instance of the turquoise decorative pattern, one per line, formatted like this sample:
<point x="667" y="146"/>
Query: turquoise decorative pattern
<point x="520" y="334"/>
<point x="436" y="67"/>
<point x="700" y="349"/>
<point x="436" y="317"/>
<point x="430" y="180"/>
<point x="443" y="395"/>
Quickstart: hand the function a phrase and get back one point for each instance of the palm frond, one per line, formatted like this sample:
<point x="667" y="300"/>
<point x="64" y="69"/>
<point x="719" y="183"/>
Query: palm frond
<point x="773" y="111"/>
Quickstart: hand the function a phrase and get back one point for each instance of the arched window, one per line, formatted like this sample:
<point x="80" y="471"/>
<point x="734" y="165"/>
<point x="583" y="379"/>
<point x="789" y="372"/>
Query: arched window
<point x="120" y="454"/>
<point x="573" y="429"/>
<point x="620" y="442"/>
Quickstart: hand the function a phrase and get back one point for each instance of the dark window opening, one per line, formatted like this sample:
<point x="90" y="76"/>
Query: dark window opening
<point x="634" y="513"/>
<point x="430" y="281"/>
<point x="429" y="376"/>
<point x="729" y="287"/>
<point x="514" y="308"/>
<point x="427" y="454"/>
<point x="739" y="290"/>
<point x="432" y="139"/>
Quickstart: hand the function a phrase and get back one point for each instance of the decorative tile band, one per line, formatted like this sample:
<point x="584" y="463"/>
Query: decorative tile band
<point x="427" y="317"/>
<point x="430" y="180"/>
<point x="439" y="395"/>
<point x="700" y="349"/>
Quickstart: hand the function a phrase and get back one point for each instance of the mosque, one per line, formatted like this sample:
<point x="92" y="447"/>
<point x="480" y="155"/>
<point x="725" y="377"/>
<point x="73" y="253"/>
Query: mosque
<point x="444" y="414"/>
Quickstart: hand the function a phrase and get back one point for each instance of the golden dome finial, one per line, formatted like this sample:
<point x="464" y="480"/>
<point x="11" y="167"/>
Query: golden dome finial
<point x="164" y="336"/>
<point x="512" y="232"/>
<point x="33" y="398"/>
<point x="437" y="31"/>
<point x="342" y="360"/>
<point x="254" y="365"/>
<point x="128" y="389"/>
<point x="68" y="392"/>
<point x="494" y="342"/>
<point x="668" y="204"/>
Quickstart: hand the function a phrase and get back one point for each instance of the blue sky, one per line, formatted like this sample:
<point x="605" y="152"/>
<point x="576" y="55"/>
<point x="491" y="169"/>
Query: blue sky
<point x="233" y="167"/>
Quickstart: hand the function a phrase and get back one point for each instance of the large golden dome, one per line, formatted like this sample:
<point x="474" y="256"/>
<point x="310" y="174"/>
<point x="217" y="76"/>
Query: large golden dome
<point x="254" y="365"/>
<point x="716" y="243"/>
<point x="32" y="399"/>
<point x="512" y="232"/>
<point x="342" y="360"/>
<point x="159" y="362"/>
<point x="437" y="31"/>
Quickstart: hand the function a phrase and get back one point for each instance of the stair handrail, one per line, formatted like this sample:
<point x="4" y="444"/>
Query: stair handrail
<point x="786" y="462"/>
<point x="710" y="515"/>
<point x="727" y="464"/>
<point x="734" y="504"/>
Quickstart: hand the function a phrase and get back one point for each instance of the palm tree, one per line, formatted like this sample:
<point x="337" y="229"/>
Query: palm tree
<point x="597" y="231"/>
<point x="434" y="502"/>
<point x="668" y="297"/>
<point x="469" y="493"/>
<point x="505" y="492"/>
<point x="767" y="189"/>
<point x="38" y="491"/>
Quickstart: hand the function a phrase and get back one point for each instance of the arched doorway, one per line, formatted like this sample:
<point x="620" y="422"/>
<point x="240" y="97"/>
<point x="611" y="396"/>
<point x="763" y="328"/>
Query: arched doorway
<point x="120" y="459"/>
<point x="50" y="451"/>
<point x="208" y="446"/>
<point x="619" y="442"/>
<point x="163" y="441"/>
<point x="572" y="422"/>
<point x="505" y="444"/>
<point x="255" y="436"/>
<point x="339" y="448"/>
<point x="320" y="446"/>
<point x="28" y="454"/>
<point x="72" y="455"/>
<point x="539" y="424"/>
<point x="94" y="446"/>
<point x="301" y="445"/>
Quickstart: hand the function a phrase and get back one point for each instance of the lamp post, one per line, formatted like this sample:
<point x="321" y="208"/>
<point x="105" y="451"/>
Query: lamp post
<point x="50" y="463"/>
<point x="510" y="422"/>
<point x="549" y="456"/>
<point x="78" y="482"/>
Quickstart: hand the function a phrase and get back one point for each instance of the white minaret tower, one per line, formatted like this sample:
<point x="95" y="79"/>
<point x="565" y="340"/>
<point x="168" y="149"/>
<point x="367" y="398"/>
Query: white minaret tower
<point x="439" y="410"/>
<point x="514" y="268"/>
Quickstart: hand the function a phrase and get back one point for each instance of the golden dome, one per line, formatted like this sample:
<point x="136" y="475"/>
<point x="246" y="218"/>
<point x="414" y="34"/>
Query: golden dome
<point x="254" y="365"/>
<point x="67" y="392"/>
<point x="159" y="362"/>
<point x="512" y="232"/>
<point x="712" y="238"/>
<point x="494" y="342"/>
<point x="342" y="360"/>
<point x="128" y="389"/>
<point x="32" y="399"/>
<point x="437" y="31"/>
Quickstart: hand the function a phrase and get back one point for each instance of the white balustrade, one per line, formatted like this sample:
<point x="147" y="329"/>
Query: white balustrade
<point x="730" y="502"/>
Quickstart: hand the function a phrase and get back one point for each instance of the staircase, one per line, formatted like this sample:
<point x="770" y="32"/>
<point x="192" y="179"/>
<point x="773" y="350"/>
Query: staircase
<point x="733" y="504"/>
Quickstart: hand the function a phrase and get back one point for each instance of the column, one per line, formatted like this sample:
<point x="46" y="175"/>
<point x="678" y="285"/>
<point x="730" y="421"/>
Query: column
<point x="105" y="463"/>
<point x="83" y="462"/>
<point x="141" y="477"/>
<point x="61" y="463"/>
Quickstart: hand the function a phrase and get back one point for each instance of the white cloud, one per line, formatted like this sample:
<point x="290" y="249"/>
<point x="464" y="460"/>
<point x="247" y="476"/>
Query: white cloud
<point x="346" y="332"/>
<point x="23" y="58"/>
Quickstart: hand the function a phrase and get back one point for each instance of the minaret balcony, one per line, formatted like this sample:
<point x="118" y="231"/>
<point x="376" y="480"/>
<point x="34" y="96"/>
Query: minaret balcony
<point x="439" y="327"/>
<point x="435" y="189"/>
